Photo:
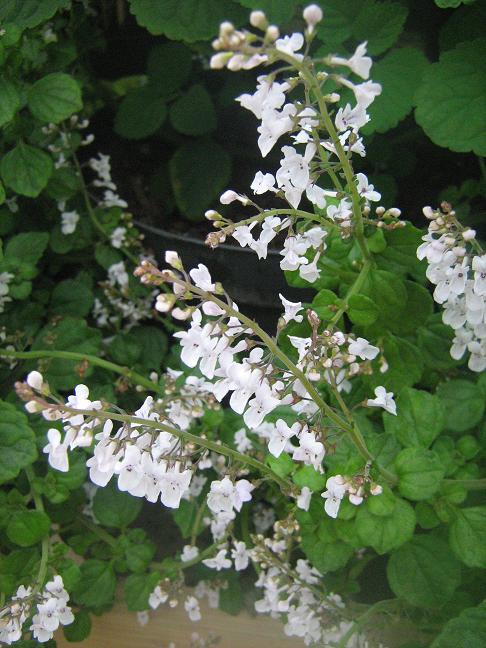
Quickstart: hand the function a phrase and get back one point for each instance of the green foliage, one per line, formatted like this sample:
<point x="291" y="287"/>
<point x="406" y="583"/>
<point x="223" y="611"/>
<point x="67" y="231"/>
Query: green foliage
<point x="463" y="403"/>
<point x="114" y="508"/>
<point x="17" y="442"/>
<point x="80" y="628"/>
<point x="193" y="113"/>
<point x="386" y="532"/>
<point x="399" y="72"/>
<point x="27" y="528"/>
<point x="199" y="172"/>
<point x="26" y="169"/>
<point x="424" y="572"/>
<point x="96" y="586"/>
<point x="467" y="535"/>
<point x="138" y="588"/>
<point x="54" y="97"/>
<point x="420" y="418"/>
<point x="452" y="99"/>
<point x="10" y="101"/>
<point x="468" y="630"/>
<point x="419" y="473"/>
<point x="188" y="20"/>
<point x="146" y="101"/>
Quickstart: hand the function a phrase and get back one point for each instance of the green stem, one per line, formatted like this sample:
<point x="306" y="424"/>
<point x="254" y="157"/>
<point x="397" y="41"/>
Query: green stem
<point x="128" y="373"/>
<point x="41" y="574"/>
<point x="354" y="289"/>
<point x="197" y="521"/>
<point x="97" y="530"/>
<point x="361" y="620"/>
<point x="469" y="484"/>
<point x="92" y="213"/>
<point x="188" y="437"/>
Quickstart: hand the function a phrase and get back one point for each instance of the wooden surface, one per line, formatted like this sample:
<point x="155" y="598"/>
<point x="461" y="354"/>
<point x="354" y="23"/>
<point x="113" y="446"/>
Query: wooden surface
<point x="120" y="629"/>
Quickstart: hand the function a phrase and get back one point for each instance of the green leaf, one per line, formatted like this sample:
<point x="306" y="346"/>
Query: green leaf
<point x="153" y="344"/>
<point x="420" y="418"/>
<point x="97" y="584"/>
<point x="138" y="556"/>
<point x="27" y="247"/>
<point x="362" y="310"/>
<point x="399" y="73"/>
<point x="27" y="528"/>
<point x="435" y="341"/>
<point x="193" y="113"/>
<point x="467" y="535"/>
<point x="380" y="23"/>
<point x="325" y="556"/>
<point x="463" y="403"/>
<point x="336" y="27"/>
<point x="143" y="101"/>
<point x="72" y="297"/>
<point x="308" y="476"/>
<point x="386" y="532"/>
<point x="68" y="334"/>
<point x="322" y="301"/>
<point x="115" y="508"/>
<point x="9" y="101"/>
<point x="199" y="171"/>
<point x="419" y="473"/>
<point x="27" y="14"/>
<point x="17" y="442"/>
<point x="26" y="170"/>
<point x="451" y="101"/>
<point x="468" y="630"/>
<point x="64" y="184"/>
<point x="389" y="294"/>
<point x="405" y="364"/>
<point x="54" y="97"/>
<point x="189" y="20"/>
<point x="231" y="598"/>
<point x="464" y="24"/>
<point x="80" y="628"/>
<point x="400" y="254"/>
<point x="138" y="588"/>
<point x="450" y="4"/>
<point x="424" y="572"/>
<point x="184" y="516"/>
<point x="168" y="67"/>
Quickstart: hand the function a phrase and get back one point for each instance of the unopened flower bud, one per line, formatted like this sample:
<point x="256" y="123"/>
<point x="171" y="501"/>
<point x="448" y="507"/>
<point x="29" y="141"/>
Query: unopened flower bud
<point x="34" y="379"/>
<point x="173" y="259"/>
<point x="469" y="234"/>
<point x="395" y="212"/>
<point x="218" y="61"/>
<point x="312" y="15"/>
<point x="226" y="28"/>
<point x="258" y="20"/>
<point x="379" y="211"/>
<point x="164" y="302"/>
<point x="376" y="489"/>
<point x="272" y="33"/>
<point x="428" y="212"/>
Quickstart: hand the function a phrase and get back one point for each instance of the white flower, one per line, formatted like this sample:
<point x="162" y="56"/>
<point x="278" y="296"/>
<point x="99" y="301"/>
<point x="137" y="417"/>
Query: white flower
<point x="189" y="552"/>
<point x="230" y="196"/>
<point x="69" y="220"/>
<point x="191" y="606"/>
<point x="202" y="278"/>
<point x="118" y="237"/>
<point x="358" y="63"/>
<point x="240" y="556"/>
<point x="336" y="489"/>
<point x="262" y="183"/>
<point x="363" y="349"/>
<point x="117" y="274"/>
<point x="281" y="435"/>
<point x="307" y="573"/>
<point x="57" y="450"/>
<point x="351" y="118"/>
<point x="274" y="125"/>
<point x="219" y="561"/>
<point x="157" y="597"/>
<point x="173" y="484"/>
<point x="383" y="399"/>
<point x="304" y="499"/>
<point x="291" y="44"/>
<point x="291" y="310"/>
<point x="268" y="95"/>
<point x="310" y="451"/>
<point x="366" y="189"/>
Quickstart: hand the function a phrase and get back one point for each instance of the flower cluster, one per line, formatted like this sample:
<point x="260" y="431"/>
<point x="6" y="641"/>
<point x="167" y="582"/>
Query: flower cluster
<point x="457" y="267"/>
<point x="51" y="611"/>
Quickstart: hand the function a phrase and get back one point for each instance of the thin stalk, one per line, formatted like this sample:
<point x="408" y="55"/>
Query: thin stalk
<point x="126" y="372"/>
<point x="197" y="521"/>
<point x="39" y="506"/>
<point x="219" y="448"/>
<point x="354" y="289"/>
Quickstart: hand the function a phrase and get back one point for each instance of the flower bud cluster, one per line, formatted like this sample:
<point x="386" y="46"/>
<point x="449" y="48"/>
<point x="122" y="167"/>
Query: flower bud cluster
<point x="457" y="267"/>
<point x="357" y="488"/>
